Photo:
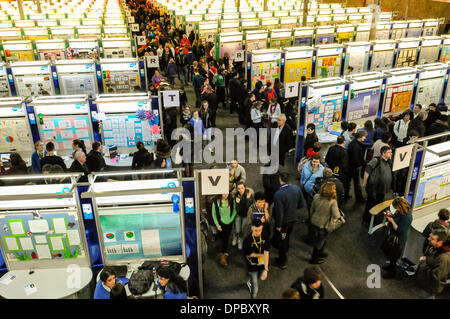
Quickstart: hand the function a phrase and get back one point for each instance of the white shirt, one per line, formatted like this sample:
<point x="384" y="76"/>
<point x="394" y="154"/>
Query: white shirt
<point x="401" y="130"/>
<point x="276" y="112"/>
<point x="256" y="116"/>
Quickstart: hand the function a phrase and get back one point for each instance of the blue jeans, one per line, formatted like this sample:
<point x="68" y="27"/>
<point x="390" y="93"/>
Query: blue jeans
<point x="254" y="277"/>
<point x="240" y="224"/>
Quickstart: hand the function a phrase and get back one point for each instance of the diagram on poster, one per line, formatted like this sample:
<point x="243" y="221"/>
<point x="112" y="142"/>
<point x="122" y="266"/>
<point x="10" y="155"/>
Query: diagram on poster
<point x="126" y="130"/>
<point x="363" y="104"/>
<point x="18" y="56"/>
<point x="382" y="35"/>
<point x="32" y="85"/>
<point x="303" y="41"/>
<point x="428" y="55"/>
<point x="326" y="112"/>
<point x="296" y="69"/>
<point x="4" y="87"/>
<point x="407" y="57"/>
<point x="117" y="53"/>
<point x="121" y="82"/>
<point x="256" y="45"/>
<point x="78" y="83"/>
<point x="324" y="39"/>
<point x="14" y="134"/>
<point x="359" y="61"/>
<point x="382" y="60"/>
<point x="434" y="185"/>
<point x="230" y="48"/>
<point x="52" y="55"/>
<point x="328" y="66"/>
<point x="265" y="71"/>
<point x="398" y="97"/>
<point x="63" y="130"/>
<point x="362" y="36"/>
<point x="429" y="91"/>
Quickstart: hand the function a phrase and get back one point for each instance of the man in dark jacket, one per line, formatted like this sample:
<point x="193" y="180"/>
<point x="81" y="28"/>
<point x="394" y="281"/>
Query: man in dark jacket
<point x="79" y="165"/>
<point x="94" y="160"/>
<point x="418" y="123"/>
<point x="197" y="81"/>
<point x="441" y="223"/>
<point x="440" y="126"/>
<point x="337" y="161"/>
<point x="356" y="162"/>
<point x="287" y="200"/>
<point x="310" y="285"/>
<point x="213" y="104"/>
<point x="284" y="137"/>
<point x="234" y="89"/>
<point x="51" y="158"/>
<point x="433" y="115"/>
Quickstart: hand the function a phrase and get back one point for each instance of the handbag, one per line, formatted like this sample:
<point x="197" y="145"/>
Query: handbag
<point x="334" y="224"/>
<point x="390" y="245"/>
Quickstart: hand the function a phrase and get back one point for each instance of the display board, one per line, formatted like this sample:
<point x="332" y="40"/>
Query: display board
<point x="18" y="56"/>
<point x="52" y="55"/>
<point x="359" y="60"/>
<point x="343" y="37"/>
<point x="121" y="81"/>
<point x="77" y="83"/>
<point x="256" y="45"/>
<point x="363" y="103"/>
<point x="406" y="57"/>
<point x="398" y="97"/>
<point x="447" y="95"/>
<point x="4" y="86"/>
<point x="303" y="41"/>
<point x="434" y="185"/>
<point x="280" y="42"/>
<point x="324" y="111"/>
<point x="362" y="36"/>
<point x="32" y="85"/>
<point x="382" y="60"/>
<point x="125" y="130"/>
<point x="398" y="33"/>
<point x="55" y="235"/>
<point x="429" y="91"/>
<point x="14" y="134"/>
<point x="324" y="39"/>
<point x="428" y="55"/>
<point x="328" y="66"/>
<point x="414" y="33"/>
<point x="230" y="48"/>
<point x="117" y="53"/>
<point x="141" y="232"/>
<point x="265" y="71"/>
<point x="382" y="34"/>
<point x="294" y="70"/>
<point x="62" y="130"/>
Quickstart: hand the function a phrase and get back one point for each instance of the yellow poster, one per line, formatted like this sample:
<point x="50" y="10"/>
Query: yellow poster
<point x="296" y="69"/>
<point x="280" y="43"/>
<point x="401" y="101"/>
<point x="19" y="56"/>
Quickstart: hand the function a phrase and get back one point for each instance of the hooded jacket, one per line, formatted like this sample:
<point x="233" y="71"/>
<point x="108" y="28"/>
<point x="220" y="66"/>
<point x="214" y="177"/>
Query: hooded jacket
<point x="434" y="271"/>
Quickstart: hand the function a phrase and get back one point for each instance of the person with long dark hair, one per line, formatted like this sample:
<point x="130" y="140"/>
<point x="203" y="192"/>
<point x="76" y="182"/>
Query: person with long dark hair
<point x="142" y="159"/>
<point x="78" y="145"/>
<point x="224" y="213"/>
<point x="18" y="165"/>
<point x="172" y="284"/>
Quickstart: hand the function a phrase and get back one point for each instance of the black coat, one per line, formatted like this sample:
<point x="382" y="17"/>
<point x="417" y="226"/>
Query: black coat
<point x="95" y="161"/>
<point x="418" y="125"/>
<point x="287" y="200"/>
<point x="432" y="117"/>
<point x="355" y="154"/>
<point x="212" y="101"/>
<point x="436" y="128"/>
<point x="77" y="167"/>
<point x="53" y="159"/>
<point x="234" y="88"/>
<point x="141" y="160"/>
<point x="285" y="140"/>
<point x="337" y="159"/>
<point x="309" y="142"/>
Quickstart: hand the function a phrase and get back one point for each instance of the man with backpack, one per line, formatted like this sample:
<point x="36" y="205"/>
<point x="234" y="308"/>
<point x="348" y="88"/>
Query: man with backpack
<point x="378" y="180"/>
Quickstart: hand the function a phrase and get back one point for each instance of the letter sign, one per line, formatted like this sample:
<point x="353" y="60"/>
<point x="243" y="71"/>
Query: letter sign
<point x="152" y="61"/>
<point x="171" y="98"/>
<point x="215" y="181"/>
<point x="291" y="89"/>
<point x="239" y="56"/>
<point x="402" y="157"/>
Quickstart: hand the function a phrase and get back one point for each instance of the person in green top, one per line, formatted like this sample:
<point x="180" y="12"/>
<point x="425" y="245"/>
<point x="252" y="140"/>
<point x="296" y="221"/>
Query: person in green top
<point x="224" y="213"/>
<point x="219" y="81"/>
<point x="197" y="81"/>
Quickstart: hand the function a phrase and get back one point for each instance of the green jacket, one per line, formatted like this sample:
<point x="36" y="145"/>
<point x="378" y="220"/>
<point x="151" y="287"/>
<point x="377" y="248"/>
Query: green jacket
<point x="219" y="81"/>
<point x="225" y="214"/>
<point x="197" y="80"/>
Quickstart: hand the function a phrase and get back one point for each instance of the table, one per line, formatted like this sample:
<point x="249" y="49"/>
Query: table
<point x="326" y="138"/>
<point x="50" y="283"/>
<point x="125" y="160"/>
<point x="185" y="272"/>
<point x="374" y="211"/>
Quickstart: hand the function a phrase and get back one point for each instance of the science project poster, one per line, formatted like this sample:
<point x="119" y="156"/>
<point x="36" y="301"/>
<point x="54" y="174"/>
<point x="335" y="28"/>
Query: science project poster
<point x="296" y="69"/>
<point x="32" y="85"/>
<point x="77" y="84"/>
<point x="324" y="111"/>
<point x="428" y="55"/>
<point x="120" y="82"/>
<point x="52" y="55"/>
<point x="363" y="104"/>
<point x="308" y="41"/>
<point x="434" y="185"/>
<point x="382" y="35"/>
<point x="362" y="36"/>
<point x="382" y="60"/>
<point x="14" y="134"/>
<point x="445" y="54"/>
<point x="18" y="56"/>
<point x="324" y="39"/>
<point x="4" y="87"/>
<point x="265" y="72"/>
<point x="398" y="97"/>
<point x="328" y="66"/>
<point x="359" y="61"/>
<point x="407" y="57"/>
<point x="429" y="91"/>
<point x="256" y="45"/>
<point x="63" y="130"/>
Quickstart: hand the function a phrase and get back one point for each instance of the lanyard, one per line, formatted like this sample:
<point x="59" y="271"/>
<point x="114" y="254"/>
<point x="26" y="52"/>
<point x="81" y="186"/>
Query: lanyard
<point x="260" y="243"/>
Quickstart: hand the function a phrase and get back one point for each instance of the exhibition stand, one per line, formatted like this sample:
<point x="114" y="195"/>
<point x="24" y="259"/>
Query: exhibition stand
<point x="382" y="55"/>
<point x="32" y="79"/>
<point x="328" y="61"/>
<point x="77" y="77"/>
<point x="398" y="95"/>
<point x="264" y="66"/>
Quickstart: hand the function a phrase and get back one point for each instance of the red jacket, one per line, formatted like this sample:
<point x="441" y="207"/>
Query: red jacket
<point x="184" y="41"/>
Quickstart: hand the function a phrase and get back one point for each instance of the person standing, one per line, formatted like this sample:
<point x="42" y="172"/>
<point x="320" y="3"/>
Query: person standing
<point x="94" y="160"/>
<point x="311" y="137"/>
<point x="418" y="123"/>
<point x="378" y="180"/>
<point x="310" y="285"/>
<point x="256" y="252"/>
<point x="171" y="71"/>
<point x="224" y="213"/>
<point x="355" y="163"/>
<point x="273" y="111"/>
<point x="197" y="81"/>
<point x="234" y="88"/>
<point x="243" y="196"/>
<point x="337" y="160"/>
<point x="37" y="156"/>
<point x="312" y="170"/>
<point x="287" y="200"/>
<point x="284" y="137"/>
<point x="212" y="99"/>
<point x="401" y="128"/>
<point x="237" y="174"/>
<point x="348" y="134"/>
<point x="219" y="82"/>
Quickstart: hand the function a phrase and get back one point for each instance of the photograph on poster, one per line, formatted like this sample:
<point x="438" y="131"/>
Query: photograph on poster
<point x="407" y="57"/>
<point x="363" y="104"/>
<point x="14" y="134"/>
<point x="117" y="53"/>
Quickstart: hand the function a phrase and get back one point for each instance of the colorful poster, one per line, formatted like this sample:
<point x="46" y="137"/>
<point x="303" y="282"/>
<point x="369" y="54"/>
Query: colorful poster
<point x="303" y="41"/>
<point x="406" y="57"/>
<point x="429" y="91"/>
<point x="382" y="60"/>
<point x="230" y="48"/>
<point x="343" y="37"/>
<point x="14" y="134"/>
<point x="126" y="130"/>
<point x="398" y="97"/>
<point x="434" y="185"/>
<point x="256" y="45"/>
<point x="280" y="43"/>
<point x="363" y="104"/>
<point x="265" y="72"/>
<point x="18" y="56"/>
<point x="52" y="55"/>
<point x="63" y="130"/>
<point x="77" y="83"/>
<point x="358" y="60"/>
<point x="428" y="55"/>
<point x="33" y="85"/>
<point x="294" y="70"/>
<point x="327" y="112"/>
<point x="121" y="82"/>
<point x="328" y="66"/>
<point x="445" y="54"/>
<point x="324" y="39"/>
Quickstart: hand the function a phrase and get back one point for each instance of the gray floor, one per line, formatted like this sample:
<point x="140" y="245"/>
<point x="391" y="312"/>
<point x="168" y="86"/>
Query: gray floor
<point x="351" y="250"/>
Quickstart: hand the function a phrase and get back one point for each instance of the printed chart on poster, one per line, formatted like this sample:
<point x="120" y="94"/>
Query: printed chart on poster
<point x="141" y="232"/>
<point x="256" y="45"/>
<point x="407" y="57"/>
<point x="4" y="87"/>
<point x="18" y="56"/>
<point x="359" y="61"/>
<point x="429" y="91"/>
<point x="52" y="55"/>
<point x="328" y="66"/>
<point x="324" y="39"/>
<point x="32" y="85"/>
<point x="398" y="97"/>
<point x="63" y="130"/>
<point x="363" y="104"/>
<point x="14" y="134"/>
<point x="428" y="55"/>
<point x="324" y="112"/>
<point x="54" y="236"/>
<point x="382" y="60"/>
<point x="77" y="83"/>
<point x="121" y="82"/>
<point x="303" y="41"/>
<point x="434" y="185"/>
<point x="296" y="69"/>
<point x="230" y="48"/>
<point x="126" y="130"/>
<point x="265" y="71"/>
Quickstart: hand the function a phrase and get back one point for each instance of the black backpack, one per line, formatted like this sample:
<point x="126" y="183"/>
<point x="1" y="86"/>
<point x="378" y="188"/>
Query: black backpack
<point x="140" y="281"/>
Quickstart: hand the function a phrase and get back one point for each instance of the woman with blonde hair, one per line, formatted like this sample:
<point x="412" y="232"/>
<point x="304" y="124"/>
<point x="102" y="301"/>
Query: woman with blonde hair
<point x="400" y="219"/>
<point x="323" y="209"/>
